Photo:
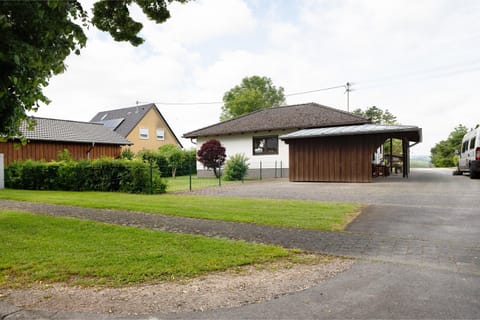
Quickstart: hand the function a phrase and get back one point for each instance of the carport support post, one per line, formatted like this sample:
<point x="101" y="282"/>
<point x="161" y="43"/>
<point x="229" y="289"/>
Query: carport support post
<point x="391" y="155"/>
<point x="405" y="157"/>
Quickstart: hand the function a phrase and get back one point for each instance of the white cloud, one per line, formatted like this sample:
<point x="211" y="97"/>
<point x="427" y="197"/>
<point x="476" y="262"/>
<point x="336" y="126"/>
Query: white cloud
<point x="205" y="20"/>
<point x="396" y="53"/>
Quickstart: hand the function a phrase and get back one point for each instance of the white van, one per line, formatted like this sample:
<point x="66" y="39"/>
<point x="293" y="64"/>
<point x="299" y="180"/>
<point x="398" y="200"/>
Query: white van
<point x="469" y="160"/>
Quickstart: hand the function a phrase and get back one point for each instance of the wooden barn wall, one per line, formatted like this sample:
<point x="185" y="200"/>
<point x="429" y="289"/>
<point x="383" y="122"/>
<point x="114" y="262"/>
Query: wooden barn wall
<point x="333" y="159"/>
<point x="39" y="150"/>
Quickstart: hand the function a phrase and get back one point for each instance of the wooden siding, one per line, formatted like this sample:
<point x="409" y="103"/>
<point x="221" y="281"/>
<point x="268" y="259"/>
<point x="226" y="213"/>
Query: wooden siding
<point x="333" y="159"/>
<point x="44" y="150"/>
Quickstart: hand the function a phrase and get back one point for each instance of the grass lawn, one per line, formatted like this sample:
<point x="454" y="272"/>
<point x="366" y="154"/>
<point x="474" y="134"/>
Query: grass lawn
<point x="328" y="216"/>
<point x="43" y="249"/>
<point x="182" y="183"/>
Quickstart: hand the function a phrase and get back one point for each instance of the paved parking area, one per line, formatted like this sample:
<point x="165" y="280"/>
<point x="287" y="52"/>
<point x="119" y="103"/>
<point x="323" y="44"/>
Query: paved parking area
<point x="430" y="219"/>
<point x="418" y="241"/>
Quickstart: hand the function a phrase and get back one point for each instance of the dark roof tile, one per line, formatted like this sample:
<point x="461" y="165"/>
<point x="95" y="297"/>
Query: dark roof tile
<point x="300" y="116"/>
<point x="131" y="116"/>
<point x="71" y="131"/>
<point x="124" y="120"/>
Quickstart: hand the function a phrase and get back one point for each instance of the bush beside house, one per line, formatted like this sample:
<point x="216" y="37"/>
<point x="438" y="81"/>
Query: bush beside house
<point x="236" y="167"/>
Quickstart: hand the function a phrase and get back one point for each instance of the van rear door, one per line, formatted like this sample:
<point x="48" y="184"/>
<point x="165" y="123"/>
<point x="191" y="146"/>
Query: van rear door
<point x="463" y="160"/>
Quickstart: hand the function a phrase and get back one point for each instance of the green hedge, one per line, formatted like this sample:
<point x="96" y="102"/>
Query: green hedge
<point x="96" y="175"/>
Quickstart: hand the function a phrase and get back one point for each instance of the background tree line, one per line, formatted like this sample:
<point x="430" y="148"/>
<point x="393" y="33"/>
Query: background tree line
<point x="443" y="153"/>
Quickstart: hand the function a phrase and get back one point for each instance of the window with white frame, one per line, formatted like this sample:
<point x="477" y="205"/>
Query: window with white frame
<point x="160" y="134"/>
<point x="265" y="145"/>
<point x="144" y="133"/>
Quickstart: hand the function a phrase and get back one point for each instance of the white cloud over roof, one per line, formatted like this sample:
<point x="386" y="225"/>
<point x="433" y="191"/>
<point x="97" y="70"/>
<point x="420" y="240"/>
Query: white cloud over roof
<point x="418" y="58"/>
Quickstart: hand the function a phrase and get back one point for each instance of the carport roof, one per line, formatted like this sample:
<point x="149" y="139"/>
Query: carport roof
<point x="413" y="133"/>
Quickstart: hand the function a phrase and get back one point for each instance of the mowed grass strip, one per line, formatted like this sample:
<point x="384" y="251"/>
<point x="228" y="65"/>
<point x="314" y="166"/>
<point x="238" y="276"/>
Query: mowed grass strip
<point x="329" y="216"/>
<point x="36" y="248"/>
<point x="182" y="183"/>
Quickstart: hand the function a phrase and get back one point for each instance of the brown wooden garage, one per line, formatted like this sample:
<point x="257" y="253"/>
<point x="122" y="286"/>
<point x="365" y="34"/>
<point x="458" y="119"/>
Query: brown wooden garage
<point x="83" y="140"/>
<point x="343" y="154"/>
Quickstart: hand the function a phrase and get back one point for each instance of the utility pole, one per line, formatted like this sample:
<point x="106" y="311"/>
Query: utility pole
<point x="347" y="91"/>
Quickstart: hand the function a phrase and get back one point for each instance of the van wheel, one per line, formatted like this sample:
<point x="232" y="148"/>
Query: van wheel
<point x="457" y="172"/>
<point x="473" y="175"/>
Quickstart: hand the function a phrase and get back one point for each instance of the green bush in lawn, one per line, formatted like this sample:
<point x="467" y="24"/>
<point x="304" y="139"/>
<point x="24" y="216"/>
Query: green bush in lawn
<point x="236" y="167"/>
<point x="85" y="175"/>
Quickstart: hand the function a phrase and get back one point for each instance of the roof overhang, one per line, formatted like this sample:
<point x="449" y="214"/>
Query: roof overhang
<point x="412" y="133"/>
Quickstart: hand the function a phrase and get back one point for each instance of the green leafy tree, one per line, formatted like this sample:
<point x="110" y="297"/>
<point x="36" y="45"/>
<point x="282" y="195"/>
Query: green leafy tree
<point x="443" y="153"/>
<point x="127" y="154"/>
<point x="254" y="93"/>
<point x="377" y="115"/>
<point x="380" y="116"/>
<point x="37" y="36"/>
<point x="174" y="155"/>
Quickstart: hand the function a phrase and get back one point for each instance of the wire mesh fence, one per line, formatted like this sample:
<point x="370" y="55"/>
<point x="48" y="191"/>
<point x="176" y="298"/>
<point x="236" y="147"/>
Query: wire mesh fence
<point x="204" y="178"/>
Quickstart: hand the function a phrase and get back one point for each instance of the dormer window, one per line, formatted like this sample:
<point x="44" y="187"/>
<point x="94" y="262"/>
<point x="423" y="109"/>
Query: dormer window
<point x="144" y="133"/>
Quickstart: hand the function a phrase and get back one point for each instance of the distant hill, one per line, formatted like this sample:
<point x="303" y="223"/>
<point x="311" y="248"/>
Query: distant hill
<point x="420" y="161"/>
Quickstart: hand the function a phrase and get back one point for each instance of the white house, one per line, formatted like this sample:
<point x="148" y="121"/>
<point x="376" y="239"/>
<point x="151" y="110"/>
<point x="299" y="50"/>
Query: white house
<point x="256" y="135"/>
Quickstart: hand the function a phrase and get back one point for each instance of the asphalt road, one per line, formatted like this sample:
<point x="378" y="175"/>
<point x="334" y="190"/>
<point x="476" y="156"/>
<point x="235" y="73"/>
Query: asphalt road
<point x="417" y="244"/>
<point x="432" y="208"/>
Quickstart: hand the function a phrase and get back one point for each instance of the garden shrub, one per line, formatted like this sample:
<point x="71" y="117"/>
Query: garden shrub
<point x="236" y="167"/>
<point x="189" y="163"/>
<point x="184" y="161"/>
<point x="127" y="154"/>
<point x="84" y="175"/>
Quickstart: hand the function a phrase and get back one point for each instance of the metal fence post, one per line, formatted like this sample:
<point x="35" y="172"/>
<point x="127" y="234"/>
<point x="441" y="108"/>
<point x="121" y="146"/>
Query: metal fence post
<point x="2" y="171"/>
<point x="260" y="170"/>
<point x="281" y="169"/>
<point x="275" y="169"/>
<point x="190" y="175"/>
<point x="151" y="176"/>
<point x="220" y="176"/>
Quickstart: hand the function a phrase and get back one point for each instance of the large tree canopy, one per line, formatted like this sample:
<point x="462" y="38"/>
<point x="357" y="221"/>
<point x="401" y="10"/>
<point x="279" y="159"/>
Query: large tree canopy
<point x="443" y="153"/>
<point x="377" y="115"/>
<point x="37" y="36"/>
<point x="254" y="93"/>
<point x="380" y="116"/>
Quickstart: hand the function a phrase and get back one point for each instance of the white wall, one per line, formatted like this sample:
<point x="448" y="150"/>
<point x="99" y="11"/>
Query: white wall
<point x="243" y="143"/>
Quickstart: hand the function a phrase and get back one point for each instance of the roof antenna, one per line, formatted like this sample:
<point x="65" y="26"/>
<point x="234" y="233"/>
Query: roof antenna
<point x="136" y="107"/>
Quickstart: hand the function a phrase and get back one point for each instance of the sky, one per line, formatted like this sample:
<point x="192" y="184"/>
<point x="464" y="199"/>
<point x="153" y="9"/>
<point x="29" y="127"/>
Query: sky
<point x="419" y="59"/>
